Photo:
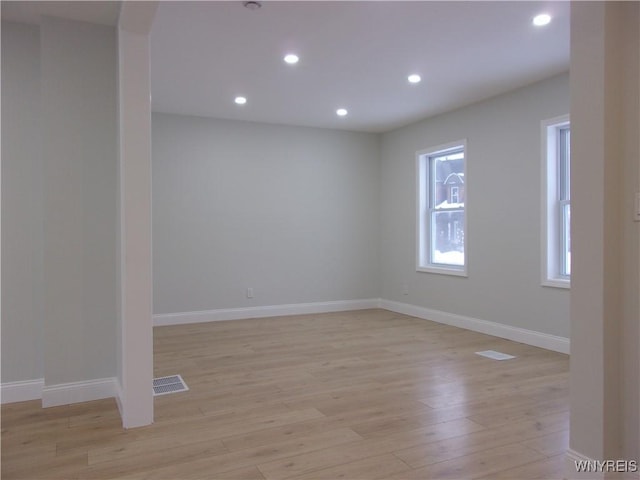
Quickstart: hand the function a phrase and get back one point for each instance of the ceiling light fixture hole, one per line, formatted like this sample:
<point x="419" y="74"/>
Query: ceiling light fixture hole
<point x="252" y="5"/>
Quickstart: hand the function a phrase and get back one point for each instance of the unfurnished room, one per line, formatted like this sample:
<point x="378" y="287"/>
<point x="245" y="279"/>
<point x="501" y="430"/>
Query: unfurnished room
<point x="316" y="240"/>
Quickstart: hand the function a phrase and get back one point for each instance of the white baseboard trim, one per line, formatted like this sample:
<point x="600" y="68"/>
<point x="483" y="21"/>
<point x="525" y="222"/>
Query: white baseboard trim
<point x="529" y="337"/>
<point x="76" y="392"/>
<point x="22" y="391"/>
<point x="264" y="311"/>
<point x="119" y="396"/>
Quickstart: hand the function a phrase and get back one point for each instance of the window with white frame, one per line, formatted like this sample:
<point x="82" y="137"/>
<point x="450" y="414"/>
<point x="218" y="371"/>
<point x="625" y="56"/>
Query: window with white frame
<point x="441" y="219"/>
<point x="556" y="202"/>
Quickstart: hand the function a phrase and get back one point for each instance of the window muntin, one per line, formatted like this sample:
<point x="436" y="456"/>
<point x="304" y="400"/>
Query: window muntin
<point x="441" y="209"/>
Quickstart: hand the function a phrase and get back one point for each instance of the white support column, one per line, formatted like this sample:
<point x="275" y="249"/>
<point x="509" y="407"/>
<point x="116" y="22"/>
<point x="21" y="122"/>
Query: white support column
<point x="135" y="372"/>
<point x="604" y="283"/>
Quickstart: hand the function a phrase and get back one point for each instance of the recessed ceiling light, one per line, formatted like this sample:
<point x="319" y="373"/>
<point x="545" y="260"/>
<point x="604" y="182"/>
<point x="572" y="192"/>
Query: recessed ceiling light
<point x="240" y="100"/>
<point x="414" y="78"/>
<point x="341" y="112"/>
<point x="291" y="58"/>
<point x="541" y="20"/>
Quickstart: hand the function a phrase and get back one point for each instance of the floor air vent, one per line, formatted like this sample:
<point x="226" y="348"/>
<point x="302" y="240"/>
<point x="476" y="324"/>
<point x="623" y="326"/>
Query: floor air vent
<point x="170" y="384"/>
<point x="495" y="355"/>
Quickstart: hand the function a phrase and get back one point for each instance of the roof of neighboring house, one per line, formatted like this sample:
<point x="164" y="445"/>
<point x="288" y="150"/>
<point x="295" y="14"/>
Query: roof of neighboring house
<point x="457" y="178"/>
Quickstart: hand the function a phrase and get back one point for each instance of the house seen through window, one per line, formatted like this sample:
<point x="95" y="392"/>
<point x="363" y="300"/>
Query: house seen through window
<point x="441" y="209"/>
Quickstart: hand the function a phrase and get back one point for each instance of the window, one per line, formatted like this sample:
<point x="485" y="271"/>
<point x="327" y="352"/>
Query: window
<point x="454" y="195"/>
<point x="441" y="221"/>
<point x="556" y="202"/>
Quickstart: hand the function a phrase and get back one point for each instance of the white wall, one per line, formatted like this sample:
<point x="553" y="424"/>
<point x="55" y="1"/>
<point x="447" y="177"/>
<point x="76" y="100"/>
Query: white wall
<point x="290" y="212"/>
<point x="630" y="238"/>
<point x="605" y="103"/>
<point x="503" y="208"/>
<point x="629" y="65"/>
<point x="22" y="207"/>
<point x="80" y="157"/>
<point x="59" y="211"/>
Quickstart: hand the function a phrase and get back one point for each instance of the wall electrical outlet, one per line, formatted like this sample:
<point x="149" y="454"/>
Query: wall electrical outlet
<point x="249" y="292"/>
<point x="636" y="217"/>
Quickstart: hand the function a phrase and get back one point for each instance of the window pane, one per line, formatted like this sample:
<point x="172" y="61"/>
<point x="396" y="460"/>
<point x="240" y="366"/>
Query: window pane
<point x="447" y="181"/>
<point x="566" y="239"/>
<point x="564" y="154"/>
<point x="447" y="233"/>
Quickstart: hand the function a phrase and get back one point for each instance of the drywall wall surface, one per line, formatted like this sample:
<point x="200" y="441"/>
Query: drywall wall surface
<point x="289" y="212"/>
<point x="605" y="102"/>
<point x="80" y="156"/>
<point x="22" y="209"/>
<point x="503" y="189"/>
<point x="630" y="240"/>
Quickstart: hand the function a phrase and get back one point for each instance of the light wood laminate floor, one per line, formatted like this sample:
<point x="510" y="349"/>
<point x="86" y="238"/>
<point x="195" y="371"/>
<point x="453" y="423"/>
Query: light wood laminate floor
<point x="354" y="395"/>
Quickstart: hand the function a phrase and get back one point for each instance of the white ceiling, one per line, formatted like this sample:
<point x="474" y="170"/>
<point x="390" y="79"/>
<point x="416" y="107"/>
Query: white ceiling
<point x="355" y="55"/>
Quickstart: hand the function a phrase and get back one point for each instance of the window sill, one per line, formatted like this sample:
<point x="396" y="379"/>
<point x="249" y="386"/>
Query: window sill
<point x="557" y="283"/>
<point x="457" y="272"/>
